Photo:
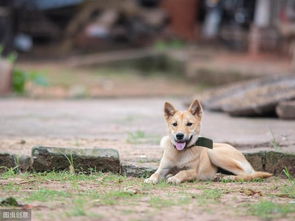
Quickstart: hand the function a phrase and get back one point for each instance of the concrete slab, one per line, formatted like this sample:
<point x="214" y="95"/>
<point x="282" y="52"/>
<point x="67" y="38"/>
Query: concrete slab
<point x="133" y="126"/>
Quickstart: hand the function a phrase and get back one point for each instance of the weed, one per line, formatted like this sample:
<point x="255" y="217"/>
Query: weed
<point x="288" y="174"/>
<point x="269" y="210"/>
<point x="275" y="144"/>
<point x="71" y="162"/>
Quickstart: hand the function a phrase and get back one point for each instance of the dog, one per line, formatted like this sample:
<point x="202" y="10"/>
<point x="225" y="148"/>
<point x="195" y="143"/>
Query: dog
<point x="183" y="160"/>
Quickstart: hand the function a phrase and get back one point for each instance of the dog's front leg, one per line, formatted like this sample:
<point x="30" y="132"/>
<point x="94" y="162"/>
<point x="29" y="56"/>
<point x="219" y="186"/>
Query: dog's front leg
<point x="184" y="175"/>
<point x="162" y="171"/>
<point x="158" y="175"/>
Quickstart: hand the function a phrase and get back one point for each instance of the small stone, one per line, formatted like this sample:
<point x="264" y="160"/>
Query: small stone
<point x="137" y="171"/>
<point x="82" y="160"/>
<point x="286" y="110"/>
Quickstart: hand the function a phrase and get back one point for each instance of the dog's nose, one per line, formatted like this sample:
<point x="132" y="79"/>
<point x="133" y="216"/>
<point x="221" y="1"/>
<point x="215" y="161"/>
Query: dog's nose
<point x="179" y="136"/>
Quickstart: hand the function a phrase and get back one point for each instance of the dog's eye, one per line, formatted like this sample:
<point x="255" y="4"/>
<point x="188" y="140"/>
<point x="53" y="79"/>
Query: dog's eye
<point x="189" y="124"/>
<point x="174" y="124"/>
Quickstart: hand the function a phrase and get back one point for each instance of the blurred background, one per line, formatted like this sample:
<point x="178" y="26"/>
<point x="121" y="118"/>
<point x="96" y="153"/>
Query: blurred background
<point x="93" y="48"/>
<point x="97" y="72"/>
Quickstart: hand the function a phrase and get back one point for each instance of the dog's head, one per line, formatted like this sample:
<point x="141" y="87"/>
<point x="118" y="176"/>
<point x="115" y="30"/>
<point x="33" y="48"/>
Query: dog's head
<point x="184" y="126"/>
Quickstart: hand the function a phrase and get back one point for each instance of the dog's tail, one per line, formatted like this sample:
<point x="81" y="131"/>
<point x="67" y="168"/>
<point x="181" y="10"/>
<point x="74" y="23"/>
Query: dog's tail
<point x="252" y="176"/>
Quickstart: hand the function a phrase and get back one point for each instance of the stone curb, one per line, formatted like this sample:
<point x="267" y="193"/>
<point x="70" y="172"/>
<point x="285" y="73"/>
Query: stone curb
<point x="81" y="160"/>
<point x="107" y="160"/>
<point x="272" y="161"/>
<point x="7" y="161"/>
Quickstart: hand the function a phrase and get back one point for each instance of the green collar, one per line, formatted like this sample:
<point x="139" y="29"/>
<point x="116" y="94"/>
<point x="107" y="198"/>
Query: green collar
<point x="204" y="142"/>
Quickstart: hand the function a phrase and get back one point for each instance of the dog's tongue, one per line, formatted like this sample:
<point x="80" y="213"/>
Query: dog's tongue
<point x="180" y="146"/>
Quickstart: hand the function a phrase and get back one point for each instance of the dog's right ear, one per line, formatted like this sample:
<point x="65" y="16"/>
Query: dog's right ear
<point x="169" y="110"/>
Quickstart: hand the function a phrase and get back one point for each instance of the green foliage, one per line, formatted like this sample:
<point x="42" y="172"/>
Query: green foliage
<point x="20" y="78"/>
<point x="10" y="57"/>
<point x="288" y="174"/>
<point x="174" y="44"/>
<point x="78" y="208"/>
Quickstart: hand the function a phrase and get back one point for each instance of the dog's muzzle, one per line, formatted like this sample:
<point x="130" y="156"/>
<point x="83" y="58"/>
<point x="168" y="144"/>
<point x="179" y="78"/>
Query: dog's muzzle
<point x="181" y="145"/>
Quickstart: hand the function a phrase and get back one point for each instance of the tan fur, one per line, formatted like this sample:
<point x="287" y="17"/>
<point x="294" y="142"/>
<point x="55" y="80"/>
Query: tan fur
<point x="197" y="162"/>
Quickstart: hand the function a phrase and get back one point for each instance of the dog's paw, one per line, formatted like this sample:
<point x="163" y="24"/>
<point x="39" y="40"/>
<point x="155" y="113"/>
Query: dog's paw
<point x="151" y="180"/>
<point x="173" y="180"/>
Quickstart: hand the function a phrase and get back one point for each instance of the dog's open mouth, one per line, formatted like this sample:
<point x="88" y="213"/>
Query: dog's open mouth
<point x="180" y="145"/>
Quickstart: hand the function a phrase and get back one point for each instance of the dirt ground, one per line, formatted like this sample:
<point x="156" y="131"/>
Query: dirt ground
<point x="64" y="196"/>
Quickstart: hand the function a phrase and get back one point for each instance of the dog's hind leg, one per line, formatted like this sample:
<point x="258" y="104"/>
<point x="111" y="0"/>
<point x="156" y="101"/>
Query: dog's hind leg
<point x="232" y="160"/>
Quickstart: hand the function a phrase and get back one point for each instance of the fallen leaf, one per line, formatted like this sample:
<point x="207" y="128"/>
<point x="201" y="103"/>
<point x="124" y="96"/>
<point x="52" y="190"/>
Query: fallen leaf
<point x="250" y="192"/>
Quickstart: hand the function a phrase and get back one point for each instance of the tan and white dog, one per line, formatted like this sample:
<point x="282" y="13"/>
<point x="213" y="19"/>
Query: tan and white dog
<point x="183" y="161"/>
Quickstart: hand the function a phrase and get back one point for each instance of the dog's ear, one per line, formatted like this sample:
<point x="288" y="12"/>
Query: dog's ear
<point x="169" y="110"/>
<point x="196" y="108"/>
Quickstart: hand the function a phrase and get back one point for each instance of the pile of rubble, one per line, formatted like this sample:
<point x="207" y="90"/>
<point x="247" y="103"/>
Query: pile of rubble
<point x="265" y="96"/>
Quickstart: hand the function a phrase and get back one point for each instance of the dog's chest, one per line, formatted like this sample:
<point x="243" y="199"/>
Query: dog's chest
<point x="187" y="160"/>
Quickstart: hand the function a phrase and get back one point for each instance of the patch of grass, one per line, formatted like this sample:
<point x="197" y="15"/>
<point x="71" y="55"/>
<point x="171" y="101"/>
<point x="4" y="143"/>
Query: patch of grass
<point x="78" y="209"/>
<point x="111" y="198"/>
<point x="288" y="190"/>
<point x="288" y="175"/>
<point x="11" y="187"/>
<point x="9" y="173"/>
<point x="139" y="137"/>
<point x="209" y="196"/>
<point x="173" y="44"/>
<point x="229" y="180"/>
<point x="269" y="210"/>
<point x="148" y="186"/>
<point x="44" y="195"/>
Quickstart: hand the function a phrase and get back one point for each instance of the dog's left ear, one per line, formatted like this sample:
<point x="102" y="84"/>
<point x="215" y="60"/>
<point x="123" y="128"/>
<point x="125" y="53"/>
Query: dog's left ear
<point x="196" y="108"/>
<point x="169" y="110"/>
